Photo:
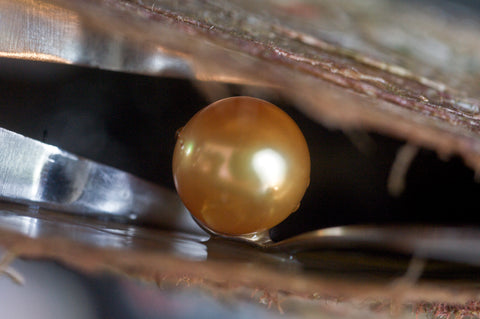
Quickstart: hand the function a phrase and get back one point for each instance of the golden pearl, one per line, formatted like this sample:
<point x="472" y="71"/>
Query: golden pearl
<point x="241" y="165"/>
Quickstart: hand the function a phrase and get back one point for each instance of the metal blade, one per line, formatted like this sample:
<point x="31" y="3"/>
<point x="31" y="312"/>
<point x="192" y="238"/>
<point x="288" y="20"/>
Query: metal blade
<point x="39" y="174"/>
<point x="46" y="31"/>
<point x="459" y="244"/>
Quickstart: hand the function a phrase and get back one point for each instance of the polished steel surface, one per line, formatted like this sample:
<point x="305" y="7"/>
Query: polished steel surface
<point x="45" y="224"/>
<point x="42" y="224"/>
<point x="457" y="244"/>
<point x="448" y="243"/>
<point x="51" y="31"/>
<point x="43" y="175"/>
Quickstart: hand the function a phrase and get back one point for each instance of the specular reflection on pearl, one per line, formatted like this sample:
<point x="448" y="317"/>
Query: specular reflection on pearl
<point x="270" y="167"/>
<point x="241" y="166"/>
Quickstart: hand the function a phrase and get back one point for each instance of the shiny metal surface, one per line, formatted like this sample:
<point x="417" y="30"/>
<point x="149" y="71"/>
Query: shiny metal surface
<point x="35" y="173"/>
<point x="42" y="223"/>
<point x="454" y="244"/>
<point x="45" y="224"/>
<point x="47" y="31"/>
<point x="449" y="244"/>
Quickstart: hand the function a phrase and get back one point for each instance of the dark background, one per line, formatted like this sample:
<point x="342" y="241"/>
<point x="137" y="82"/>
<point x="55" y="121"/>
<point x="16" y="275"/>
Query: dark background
<point x="129" y="122"/>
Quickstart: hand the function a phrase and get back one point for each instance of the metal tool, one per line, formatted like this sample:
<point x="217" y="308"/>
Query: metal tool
<point x="43" y="175"/>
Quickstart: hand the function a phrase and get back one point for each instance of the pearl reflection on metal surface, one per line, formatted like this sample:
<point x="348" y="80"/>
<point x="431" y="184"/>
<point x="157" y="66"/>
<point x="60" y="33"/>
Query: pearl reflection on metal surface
<point x="241" y="165"/>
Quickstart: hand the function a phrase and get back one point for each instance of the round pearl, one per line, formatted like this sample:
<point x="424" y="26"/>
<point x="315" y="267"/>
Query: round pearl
<point x="241" y="165"/>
